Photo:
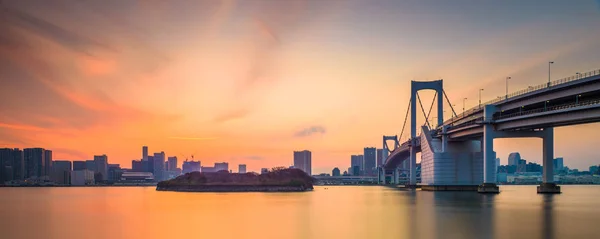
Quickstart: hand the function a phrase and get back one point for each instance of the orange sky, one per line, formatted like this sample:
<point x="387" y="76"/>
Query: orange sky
<point x="250" y="82"/>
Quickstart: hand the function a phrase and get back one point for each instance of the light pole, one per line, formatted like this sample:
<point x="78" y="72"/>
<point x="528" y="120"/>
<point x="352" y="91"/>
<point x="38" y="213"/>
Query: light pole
<point x="507" y="78"/>
<point x="578" y="75"/>
<point x="480" y="90"/>
<point x="464" y="106"/>
<point x="549" y="64"/>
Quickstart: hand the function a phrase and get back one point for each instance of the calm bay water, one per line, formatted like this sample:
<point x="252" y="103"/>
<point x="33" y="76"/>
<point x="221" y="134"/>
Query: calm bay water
<point x="326" y="212"/>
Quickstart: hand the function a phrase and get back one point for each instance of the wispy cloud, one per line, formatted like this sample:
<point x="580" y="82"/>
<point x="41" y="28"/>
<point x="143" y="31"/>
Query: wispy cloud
<point x="231" y="115"/>
<point x="193" y="138"/>
<point x="254" y="157"/>
<point x="310" y="131"/>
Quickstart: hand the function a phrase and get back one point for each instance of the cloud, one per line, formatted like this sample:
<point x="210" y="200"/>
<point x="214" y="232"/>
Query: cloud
<point x="254" y="157"/>
<point x="310" y="131"/>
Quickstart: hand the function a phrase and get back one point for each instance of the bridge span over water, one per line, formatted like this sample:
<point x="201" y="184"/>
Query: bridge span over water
<point x="458" y="153"/>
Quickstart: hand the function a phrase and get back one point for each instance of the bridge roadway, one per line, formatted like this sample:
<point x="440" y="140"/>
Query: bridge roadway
<point x="526" y="113"/>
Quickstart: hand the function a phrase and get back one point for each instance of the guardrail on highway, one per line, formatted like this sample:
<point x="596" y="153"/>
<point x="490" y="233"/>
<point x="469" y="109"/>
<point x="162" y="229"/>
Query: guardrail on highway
<point x="551" y="108"/>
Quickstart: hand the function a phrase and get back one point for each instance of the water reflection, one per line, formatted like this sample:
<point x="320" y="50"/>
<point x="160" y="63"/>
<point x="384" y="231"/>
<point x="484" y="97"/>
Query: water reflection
<point x="547" y="216"/>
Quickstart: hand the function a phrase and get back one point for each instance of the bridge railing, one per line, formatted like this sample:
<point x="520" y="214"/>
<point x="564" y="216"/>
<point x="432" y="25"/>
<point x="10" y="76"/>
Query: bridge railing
<point x="550" y="108"/>
<point x="527" y="90"/>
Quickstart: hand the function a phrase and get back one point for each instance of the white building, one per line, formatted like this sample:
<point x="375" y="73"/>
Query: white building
<point x="82" y="177"/>
<point x="242" y="168"/>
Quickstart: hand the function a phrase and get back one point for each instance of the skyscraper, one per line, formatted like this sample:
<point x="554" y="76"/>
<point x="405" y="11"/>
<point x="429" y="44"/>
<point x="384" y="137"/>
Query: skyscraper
<point x="303" y="161"/>
<point x="191" y="166"/>
<point x="379" y="157"/>
<point x="335" y="172"/>
<point x="101" y="162"/>
<point x="47" y="162"/>
<point x="370" y="158"/>
<point x="159" y="165"/>
<point x="356" y="161"/>
<point x="78" y="165"/>
<point x="34" y="162"/>
<point x="513" y="159"/>
<point x="242" y="168"/>
<point x="145" y="153"/>
<point x="18" y="164"/>
<point x="172" y="162"/>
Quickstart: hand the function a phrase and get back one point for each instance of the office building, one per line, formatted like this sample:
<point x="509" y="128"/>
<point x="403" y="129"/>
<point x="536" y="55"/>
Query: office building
<point x="90" y="165"/>
<point x="356" y="161"/>
<point x="558" y="164"/>
<point x="191" y="166"/>
<point x="61" y="172"/>
<point x="370" y="160"/>
<point x="242" y="168"/>
<point x="497" y="164"/>
<point x="222" y="166"/>
<point x="145" y="153"/>
<point x="172" y="164"/>
<point x="35" y="161"/>
<point x="101" y="162"/>
<point x="12" y="164"/>
<point x="513" y="159"/>
<point x="82" y="177"/>
<point x="335" y="172"/>
<point x="136" y="166"/>
<point x="380" y="157"/>
<point x="114" y="172"/>
<point x="47" y="162"/>
<point x="533" y="168"/>
<point x="159" y="165"/>
<point x="303" y="161"/>
<point x="79" y="165"/>
<point x="149" y="165"/>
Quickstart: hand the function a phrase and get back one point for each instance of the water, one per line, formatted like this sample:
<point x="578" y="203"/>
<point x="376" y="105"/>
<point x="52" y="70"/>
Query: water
<point x="335" y="212"/>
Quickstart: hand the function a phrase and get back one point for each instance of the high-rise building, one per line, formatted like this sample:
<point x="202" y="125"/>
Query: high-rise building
<point x="497" y="164"/>
<point x="303" y="161"/>
<point x="242" y="168"/>
<point x="159" y="165"/>
<point x="172" y="163"/>
<point x="144" y="153"/>
<point x="12" y="164"/>
<point x="379" y="157"/>
<point x="335" y="172"/>
<point x="221" y="166"/>
<point x="82" y="177"/>
<point x="149" y="165"/>
<point x="114" y="172"/>
<point x="370" y="160"/>
<point x="356" y="161"/>
<point x="47" y="162"/>
<point x="513" y="159"/>
<point x="61" y="172"/>
<point x="356" y="170"/>
<point x="558" y="164"/>
<point x="136" y="165"/>
<point x="79" y="165"/>
<point x="90" y="165"/>
<point x="191" y="166"/>
<point x="101" y="162"/>
<point x="207" y="169"/>
<point x="34" y="159"/>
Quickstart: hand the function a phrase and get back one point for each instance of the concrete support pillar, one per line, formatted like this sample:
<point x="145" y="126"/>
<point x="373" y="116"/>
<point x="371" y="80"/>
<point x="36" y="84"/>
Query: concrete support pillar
<point x="381" y="175"/>
<point x="548" y="185"/>
<point x="413" y="165"/>
<point x="395" y="180"/>
<point x="489" y="156"/>
<point x="440" y="103"/>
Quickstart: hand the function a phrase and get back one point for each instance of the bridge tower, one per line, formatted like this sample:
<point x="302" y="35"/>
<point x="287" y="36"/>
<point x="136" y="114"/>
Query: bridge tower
<point x="386" y="152"/>
<point x="416" y="86"/>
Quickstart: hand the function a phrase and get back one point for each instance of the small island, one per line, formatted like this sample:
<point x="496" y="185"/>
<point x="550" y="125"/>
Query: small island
<point x="276" y="180"/>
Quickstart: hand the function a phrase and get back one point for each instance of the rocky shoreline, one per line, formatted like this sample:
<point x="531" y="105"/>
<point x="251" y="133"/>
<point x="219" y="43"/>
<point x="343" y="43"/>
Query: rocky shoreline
<point x="231" y="188"/>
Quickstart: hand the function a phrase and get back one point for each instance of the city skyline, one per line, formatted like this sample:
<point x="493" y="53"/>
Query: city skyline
<point x="283" y="81"/>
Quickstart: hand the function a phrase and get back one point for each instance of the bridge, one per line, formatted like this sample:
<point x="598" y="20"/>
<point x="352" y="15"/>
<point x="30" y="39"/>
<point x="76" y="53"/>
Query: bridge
<point x="459" y="152"/>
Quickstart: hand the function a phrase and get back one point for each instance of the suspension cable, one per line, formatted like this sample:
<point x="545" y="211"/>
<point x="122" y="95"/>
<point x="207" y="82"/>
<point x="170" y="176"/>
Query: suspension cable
<point x="423" y="109"/>
<point x="405" y="118"/>
<point x="431" y="107"/>
<point x="454" y="112"/>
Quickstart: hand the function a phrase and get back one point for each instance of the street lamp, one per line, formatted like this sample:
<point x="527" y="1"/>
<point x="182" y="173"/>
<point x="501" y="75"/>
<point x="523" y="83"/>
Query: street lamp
<point x="480" y="90"/>
<point x="578" y="75"/>
<point x="464" y="106"/>
<point x="507" y="78"/>
<point x="549" y="63"/>
<point x="577" y="99"/>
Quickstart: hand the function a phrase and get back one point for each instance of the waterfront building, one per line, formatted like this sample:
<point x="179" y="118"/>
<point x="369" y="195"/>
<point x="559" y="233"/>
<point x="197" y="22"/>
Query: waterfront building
<point x="191" y="166"/>
<point x="513" y="159"/>
<point x="114" y="172"/>
<point x="172" y="163"/>
<point x="144" y="153"/>
<point x="79" y="165"/>
<point x="356" y="161"/>
<point x="221" y="166"/>
<point x="90" y="165"/>
<point x="242" y="168"/>
<point x="558" y="164"/>
<point x="303" y="161"/>
<point x="208" y="169"/>
<point x="137" y="177"/>
<point x="137" y="166"/>
<point x="61" y="172"/>
<point x="101" y="162"/>
<point x="47" y="163"/>
<point x="380" y="157"/>
<point x="335" y="172"/>
<point x="370" y="158"/>
<point x="12" y="164"/>
<point x="159" y="165"/>
<point x="82" y="177"/>
<point x="35" y="162"/>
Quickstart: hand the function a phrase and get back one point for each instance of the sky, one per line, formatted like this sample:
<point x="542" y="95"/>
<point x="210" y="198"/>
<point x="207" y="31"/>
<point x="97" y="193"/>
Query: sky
<point x="252" y="81"/>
